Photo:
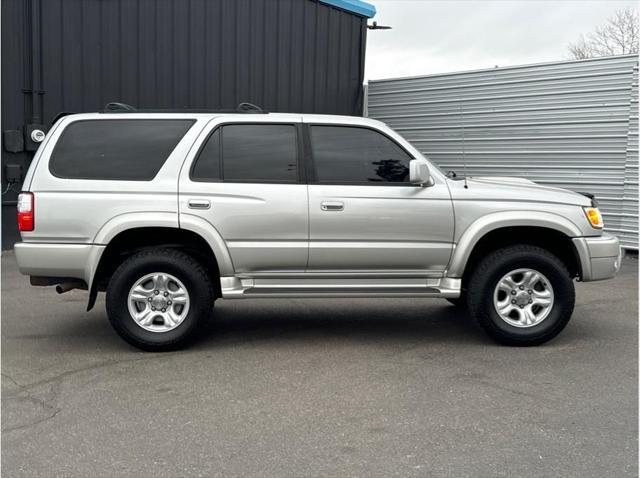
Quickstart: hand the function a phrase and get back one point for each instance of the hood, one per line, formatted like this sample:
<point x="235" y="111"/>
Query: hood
<point x="521" y="189"/>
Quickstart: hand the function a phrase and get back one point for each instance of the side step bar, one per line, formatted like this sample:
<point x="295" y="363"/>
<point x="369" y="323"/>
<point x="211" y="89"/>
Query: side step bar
<point x="239" y="288"/>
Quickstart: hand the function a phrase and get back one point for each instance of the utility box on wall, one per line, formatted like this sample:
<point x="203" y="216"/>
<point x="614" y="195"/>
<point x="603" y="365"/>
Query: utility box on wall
<point x="302" y="56"/>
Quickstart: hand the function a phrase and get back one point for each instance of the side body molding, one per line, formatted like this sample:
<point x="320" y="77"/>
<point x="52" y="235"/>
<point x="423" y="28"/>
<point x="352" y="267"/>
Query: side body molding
<point x="490" y="222"/>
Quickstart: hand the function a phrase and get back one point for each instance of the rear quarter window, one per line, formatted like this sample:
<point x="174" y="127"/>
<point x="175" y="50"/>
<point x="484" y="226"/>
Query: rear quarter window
<point x="123" y="149"/>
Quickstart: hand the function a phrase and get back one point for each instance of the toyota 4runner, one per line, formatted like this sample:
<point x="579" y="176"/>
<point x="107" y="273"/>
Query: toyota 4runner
<point x="168" y="212"/>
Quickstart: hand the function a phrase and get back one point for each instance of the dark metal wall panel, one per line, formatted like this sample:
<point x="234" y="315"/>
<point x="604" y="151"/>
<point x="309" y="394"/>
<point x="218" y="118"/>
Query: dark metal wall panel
<point x="284" y="55"/>
<point x="16" y="69"/>
<point x="202" y="54"/>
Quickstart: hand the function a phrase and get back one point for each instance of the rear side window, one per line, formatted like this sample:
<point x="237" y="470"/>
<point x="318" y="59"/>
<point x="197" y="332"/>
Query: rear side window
<point x="345" y="154"/>
<point x="208" y="166"/>
<point x="127" y="149"/>
<point x="249" y="153"/>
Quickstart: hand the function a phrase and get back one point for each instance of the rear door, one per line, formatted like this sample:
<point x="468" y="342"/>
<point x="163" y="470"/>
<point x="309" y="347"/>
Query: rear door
<point x="244" y="178"/>
<point x="364" y="214"/>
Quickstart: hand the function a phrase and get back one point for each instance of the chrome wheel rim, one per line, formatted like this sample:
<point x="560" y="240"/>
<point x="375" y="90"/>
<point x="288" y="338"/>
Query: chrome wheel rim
<point x="158" y="302"/>
<point x="523" y="298"/>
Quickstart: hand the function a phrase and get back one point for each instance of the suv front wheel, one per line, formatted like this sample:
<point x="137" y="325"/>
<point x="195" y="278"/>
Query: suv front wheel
<point x="157" y="298"/>
<point x="521" y="295"/>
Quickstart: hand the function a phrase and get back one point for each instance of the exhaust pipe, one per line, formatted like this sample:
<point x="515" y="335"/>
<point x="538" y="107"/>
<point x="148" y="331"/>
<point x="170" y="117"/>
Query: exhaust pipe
<point x="67" y="286"/>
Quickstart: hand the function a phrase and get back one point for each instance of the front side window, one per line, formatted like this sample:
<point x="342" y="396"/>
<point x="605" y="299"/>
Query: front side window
<point x="249" y="153"/>
<point x="124" y="149"/>
<point x="346" y="154"/>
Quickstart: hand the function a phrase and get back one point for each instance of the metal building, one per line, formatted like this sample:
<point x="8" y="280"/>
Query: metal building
<point x="78" y="55"/>
<point x="572" y="124"/>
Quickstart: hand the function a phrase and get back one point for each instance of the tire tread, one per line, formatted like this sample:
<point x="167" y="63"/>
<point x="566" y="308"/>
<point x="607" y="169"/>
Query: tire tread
<point x="476" y="291"/>
<point x="145" y="255"/>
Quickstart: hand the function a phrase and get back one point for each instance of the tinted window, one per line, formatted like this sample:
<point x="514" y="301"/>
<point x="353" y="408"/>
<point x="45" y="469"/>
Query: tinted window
<point x="207" y="166"/>
<point x="343" y="154"/>
<point x="259" y="153"/>
<point x="116" y="149"/>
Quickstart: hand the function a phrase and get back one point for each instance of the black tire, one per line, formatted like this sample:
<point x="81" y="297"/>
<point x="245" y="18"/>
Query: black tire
<point x="182" y="266"/>
<point x="484" y="279"/>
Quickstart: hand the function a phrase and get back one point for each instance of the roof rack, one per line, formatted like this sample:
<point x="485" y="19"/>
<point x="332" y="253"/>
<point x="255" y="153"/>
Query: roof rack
<point x="246" y="108"/>
<point x="118" y="107"/>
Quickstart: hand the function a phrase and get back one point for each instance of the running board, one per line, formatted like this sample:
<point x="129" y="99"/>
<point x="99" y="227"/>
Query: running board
<point x="238" y="288"/>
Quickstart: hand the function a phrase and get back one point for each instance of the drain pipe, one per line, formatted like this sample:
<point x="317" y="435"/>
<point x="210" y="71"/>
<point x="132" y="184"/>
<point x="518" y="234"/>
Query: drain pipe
<point x="33" y="133"/>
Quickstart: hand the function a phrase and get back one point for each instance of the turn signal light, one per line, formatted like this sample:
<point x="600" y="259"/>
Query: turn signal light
<point x="594" y="217"/>
<point x="26" y="206"/>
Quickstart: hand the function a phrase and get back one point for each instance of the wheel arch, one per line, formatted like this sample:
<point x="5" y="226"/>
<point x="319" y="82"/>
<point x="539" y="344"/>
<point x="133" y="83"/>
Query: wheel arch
<point x="547" y="230"/>
<point x="127" y="241"/>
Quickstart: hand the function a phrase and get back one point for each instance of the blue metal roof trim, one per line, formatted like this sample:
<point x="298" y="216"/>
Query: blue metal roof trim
<point x="358" y="7"/>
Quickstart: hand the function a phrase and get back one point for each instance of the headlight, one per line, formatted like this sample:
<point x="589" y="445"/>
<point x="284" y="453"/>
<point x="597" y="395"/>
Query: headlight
<point x="594" y="217"/>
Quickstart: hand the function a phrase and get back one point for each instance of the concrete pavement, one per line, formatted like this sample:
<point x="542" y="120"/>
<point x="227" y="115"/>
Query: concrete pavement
<point x="383" y="387"/>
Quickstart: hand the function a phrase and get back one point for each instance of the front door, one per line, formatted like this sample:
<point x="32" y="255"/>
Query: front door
<point x="364" y="215"/>
<point x="244" y="179"/>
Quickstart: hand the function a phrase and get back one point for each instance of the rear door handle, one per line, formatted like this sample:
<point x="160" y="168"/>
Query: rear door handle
<point x="199" y="204"/>
<point x="332" y="206"/>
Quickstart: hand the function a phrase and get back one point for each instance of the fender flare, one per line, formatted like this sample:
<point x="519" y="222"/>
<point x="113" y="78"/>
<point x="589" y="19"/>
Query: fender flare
<point x="137" y="220"/>
<point x="189" y="222"/>
<point x="121" y="223"/>
<point x="210" y="234"/>
<point x="490" y="222"/>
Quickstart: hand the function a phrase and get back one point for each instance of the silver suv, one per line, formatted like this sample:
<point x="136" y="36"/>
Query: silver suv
<point x="168" y="212"/>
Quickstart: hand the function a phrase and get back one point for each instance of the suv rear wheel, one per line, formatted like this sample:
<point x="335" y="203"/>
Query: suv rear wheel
<point x="521" y="295"/>
<point x="157" y="298"/>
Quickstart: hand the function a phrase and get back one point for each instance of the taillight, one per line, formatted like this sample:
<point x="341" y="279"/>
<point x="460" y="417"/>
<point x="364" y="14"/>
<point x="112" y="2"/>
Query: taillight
<point x="26" y="206"/>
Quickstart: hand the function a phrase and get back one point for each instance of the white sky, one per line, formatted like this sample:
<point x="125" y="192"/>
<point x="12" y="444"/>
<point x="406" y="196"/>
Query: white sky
<point x="438" y="36"/>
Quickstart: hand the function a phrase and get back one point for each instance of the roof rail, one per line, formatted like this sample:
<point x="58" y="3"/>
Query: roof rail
<point x="245" y="108"/>
<point x="118" y="107"/>
<point x="249" y="108"/>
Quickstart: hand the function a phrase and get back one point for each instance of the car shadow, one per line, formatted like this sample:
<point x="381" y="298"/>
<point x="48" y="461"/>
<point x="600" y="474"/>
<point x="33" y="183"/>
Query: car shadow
<point x="361" y="321"/>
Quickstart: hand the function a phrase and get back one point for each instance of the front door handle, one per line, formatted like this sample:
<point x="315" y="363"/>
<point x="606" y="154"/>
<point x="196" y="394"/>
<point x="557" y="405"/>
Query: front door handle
<point x="332" y="206"/>
<point x="199" y="204"/>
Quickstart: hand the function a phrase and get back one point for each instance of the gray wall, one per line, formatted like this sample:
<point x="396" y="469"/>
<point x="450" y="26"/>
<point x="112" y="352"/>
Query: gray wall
<point x="78" y="55"/>
<point x="571" y="124"/>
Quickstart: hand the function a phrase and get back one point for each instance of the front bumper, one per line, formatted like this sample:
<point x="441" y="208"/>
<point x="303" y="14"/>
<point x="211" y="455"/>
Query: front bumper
<point x="600" y="256"/>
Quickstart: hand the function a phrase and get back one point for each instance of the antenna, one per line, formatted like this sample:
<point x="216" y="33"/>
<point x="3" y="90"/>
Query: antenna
<point x="464" y="153"/>
<point x="375" y="26"/>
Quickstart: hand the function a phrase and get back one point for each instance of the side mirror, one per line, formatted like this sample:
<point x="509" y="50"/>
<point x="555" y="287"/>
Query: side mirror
<point x="419" y="173"/>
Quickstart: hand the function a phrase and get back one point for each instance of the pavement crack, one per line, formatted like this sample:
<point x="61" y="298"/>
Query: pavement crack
<point x="48" y="405"/>
<point x="61" y="376"/>
<point x="11" y="379"/>
<point x="34" y="423"/>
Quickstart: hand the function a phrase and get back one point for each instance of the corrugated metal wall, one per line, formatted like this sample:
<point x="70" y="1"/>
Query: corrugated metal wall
<point x="570" y="124"/>
<point x="284" y="55"/>
<point x="78" y="55"/>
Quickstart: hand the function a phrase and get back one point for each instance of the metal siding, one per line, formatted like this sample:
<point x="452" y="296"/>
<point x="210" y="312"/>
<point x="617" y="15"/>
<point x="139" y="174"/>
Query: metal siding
<point x="629" y="219"/>
<point x="284" y="55"/>
<point x="16" y="75"/>
<point x="570" y="124"/>
<point x="199" y="54"/>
